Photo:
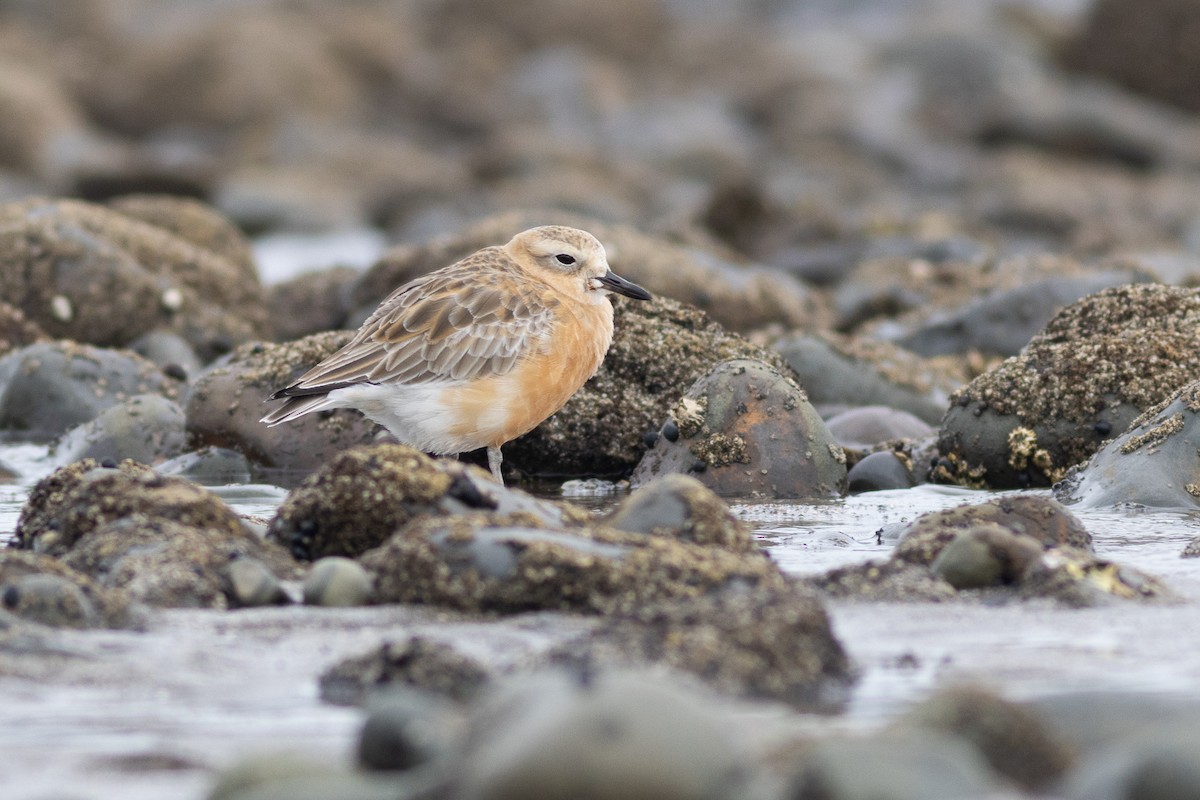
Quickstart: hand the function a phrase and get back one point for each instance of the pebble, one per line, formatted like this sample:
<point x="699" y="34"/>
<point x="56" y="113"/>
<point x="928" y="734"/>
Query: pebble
<point x="336" y="581"/>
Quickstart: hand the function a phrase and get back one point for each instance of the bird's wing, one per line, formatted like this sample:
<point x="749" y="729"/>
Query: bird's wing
<point x="470" y="320"/>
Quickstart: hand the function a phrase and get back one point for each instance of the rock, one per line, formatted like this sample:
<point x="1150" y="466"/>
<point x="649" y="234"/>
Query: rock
<point x="42" y="589"/>
<point x="287" y="776"/>
<point x="50" y="600"/>
<point x="897" y="765"/>
<point x="362" y="496"/>
<point x="41" y="122"/>
<point x="741" y="297"/>
<point x="1004" y="321"/>
<point x="311" y="303"/>
<point x="416" y="662"/>
<point x="96" y="275"/>
<point x="334" y="581"/>
<point x="746" y="429"/>
<point x="1078" y="579"/>
<point x="409" y="729"/>
<point x="1154" y="463"/>
<point x="1093" y="720"/>
<point x="767" y="642"/>
<point x="247" y="583"/>
<point x="864" y="427"/>
<point x="1143" y="47"/>
<point x="49" y="387"/>
<point x="1015" y="739"/>
<point x="616" y="734"/>
<point x="880" y="471"/>
<point x="985" y="554"/>
<point x="81" y="497"/>
<point x="194" y="222"/>
<point x="209" y="466"/>
<point x="1156" y="763"/>
<point x="226" y="402"/>
<point x="860" y="372"/>
<point x="1040" y="518"/>
<point x="170" y="563"/>
<point x="146" y="428"/>
<point x="474" y="562"/>
<point x="1083" y="379"/>
<point x="684" y="508"/>
<point x="1192" y="549"/>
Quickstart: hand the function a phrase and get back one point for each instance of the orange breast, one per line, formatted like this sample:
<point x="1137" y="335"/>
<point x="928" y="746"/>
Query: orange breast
<point x="499" y="409"/>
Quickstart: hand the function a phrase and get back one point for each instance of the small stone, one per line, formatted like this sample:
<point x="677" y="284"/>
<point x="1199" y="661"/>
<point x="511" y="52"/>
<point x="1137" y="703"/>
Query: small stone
<point x="250" y="584"/>
<point x="337" y="581"/>
<point x="408" y="728"/>
<point x="50" y="600"/>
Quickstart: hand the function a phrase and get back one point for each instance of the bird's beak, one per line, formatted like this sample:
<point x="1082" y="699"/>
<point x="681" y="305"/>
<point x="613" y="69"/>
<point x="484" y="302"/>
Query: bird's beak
<point x="615" y="283"/>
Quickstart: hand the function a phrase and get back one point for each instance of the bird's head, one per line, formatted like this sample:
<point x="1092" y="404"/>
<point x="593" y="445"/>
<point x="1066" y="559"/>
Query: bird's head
<point x="572" y="253"/>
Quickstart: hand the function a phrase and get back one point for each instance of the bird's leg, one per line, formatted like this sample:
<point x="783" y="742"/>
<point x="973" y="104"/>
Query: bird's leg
<point x="495" y="458"/>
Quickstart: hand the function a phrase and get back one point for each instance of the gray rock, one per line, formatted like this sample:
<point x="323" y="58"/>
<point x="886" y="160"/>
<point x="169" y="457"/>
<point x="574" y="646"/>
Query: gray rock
<point x="833" y="377"/>
<point x="985" y="554"/>
<point x="682" y="507"/>
<point x="170" y="351"/>
<point x="1161" y="762"/>
<point x="866" y="426"/>
<point x="50" y="387"/>
<point x="1017" y="741"/>
<point x="248" y="584"/>
<point x="336" y="581"/>
<point x="50" y="600"/>
<point x="407" y="728"/>
<point x="146" y="428"/>
<point x="616" y="734"/>
<point x="879" y="472"/>
<point x="1149" y="464"/>
<point x="209" y="466"/>
<point x="1004" y="321"/>
<point x="897" y="765"/>
<point x="746" y="429"/>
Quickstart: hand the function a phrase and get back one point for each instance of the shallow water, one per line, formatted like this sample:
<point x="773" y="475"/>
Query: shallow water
<point x="154" y="714"/>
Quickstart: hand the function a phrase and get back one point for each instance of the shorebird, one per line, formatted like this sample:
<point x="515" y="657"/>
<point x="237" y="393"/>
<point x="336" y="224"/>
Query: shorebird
<point x="477" y="353"/>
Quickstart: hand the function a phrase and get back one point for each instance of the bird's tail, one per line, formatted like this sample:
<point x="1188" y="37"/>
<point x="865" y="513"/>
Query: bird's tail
<point x="294" y="407"/>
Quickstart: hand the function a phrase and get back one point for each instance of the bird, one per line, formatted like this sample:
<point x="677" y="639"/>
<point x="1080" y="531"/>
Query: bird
<point x="476" y="353"/>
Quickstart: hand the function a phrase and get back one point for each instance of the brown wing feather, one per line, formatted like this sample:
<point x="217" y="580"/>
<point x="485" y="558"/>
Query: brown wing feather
<point x="472" y="319"/>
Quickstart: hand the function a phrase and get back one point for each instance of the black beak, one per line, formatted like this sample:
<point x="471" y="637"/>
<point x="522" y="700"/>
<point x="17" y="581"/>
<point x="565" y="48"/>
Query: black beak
<point x="615" y="283"/>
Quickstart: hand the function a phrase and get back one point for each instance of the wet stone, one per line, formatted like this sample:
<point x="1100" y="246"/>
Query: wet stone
<point x="249" y="584"/>
<point x="417" y="662"/>
<point x="909" y="764"/>
<point x="50" y="387"/>
<point x="746" y="429"/>
<point x="557" y="735"/>
<point x="682" y="507"/>
<point x="211" y="466"/>
<point x="407" y="729"/>
<point x="880" y="471"/>
<point x="1040" y="518"/>
<point x="362" y="496"/>
<point x="1093" y="369"/>
<point x="866" y="426"/>
<point x="147" y="428"/>
<point x="986" y="554"/>
<point x="470" y="563"/>
<point x="1157" y="761"/>
<point x="50" y="600"/>
<point x="1155" y="463"/>
<point x="78" y="498"/>
<point x="843" y="371"/>
<point x="883" y="581"/>
<point x="335" y="581"/>
<point x="770" y="642"/>
<point x="1017" y="741"/>
<point x="171" y="564"/>
<point x="45" y="590"/>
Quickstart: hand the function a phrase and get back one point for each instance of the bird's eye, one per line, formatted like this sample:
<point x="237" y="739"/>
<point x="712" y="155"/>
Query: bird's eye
<point x="563" y="258"/>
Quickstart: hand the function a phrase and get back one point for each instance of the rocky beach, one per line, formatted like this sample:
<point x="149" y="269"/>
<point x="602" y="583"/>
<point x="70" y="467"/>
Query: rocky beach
<point x="889" y="492"/>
